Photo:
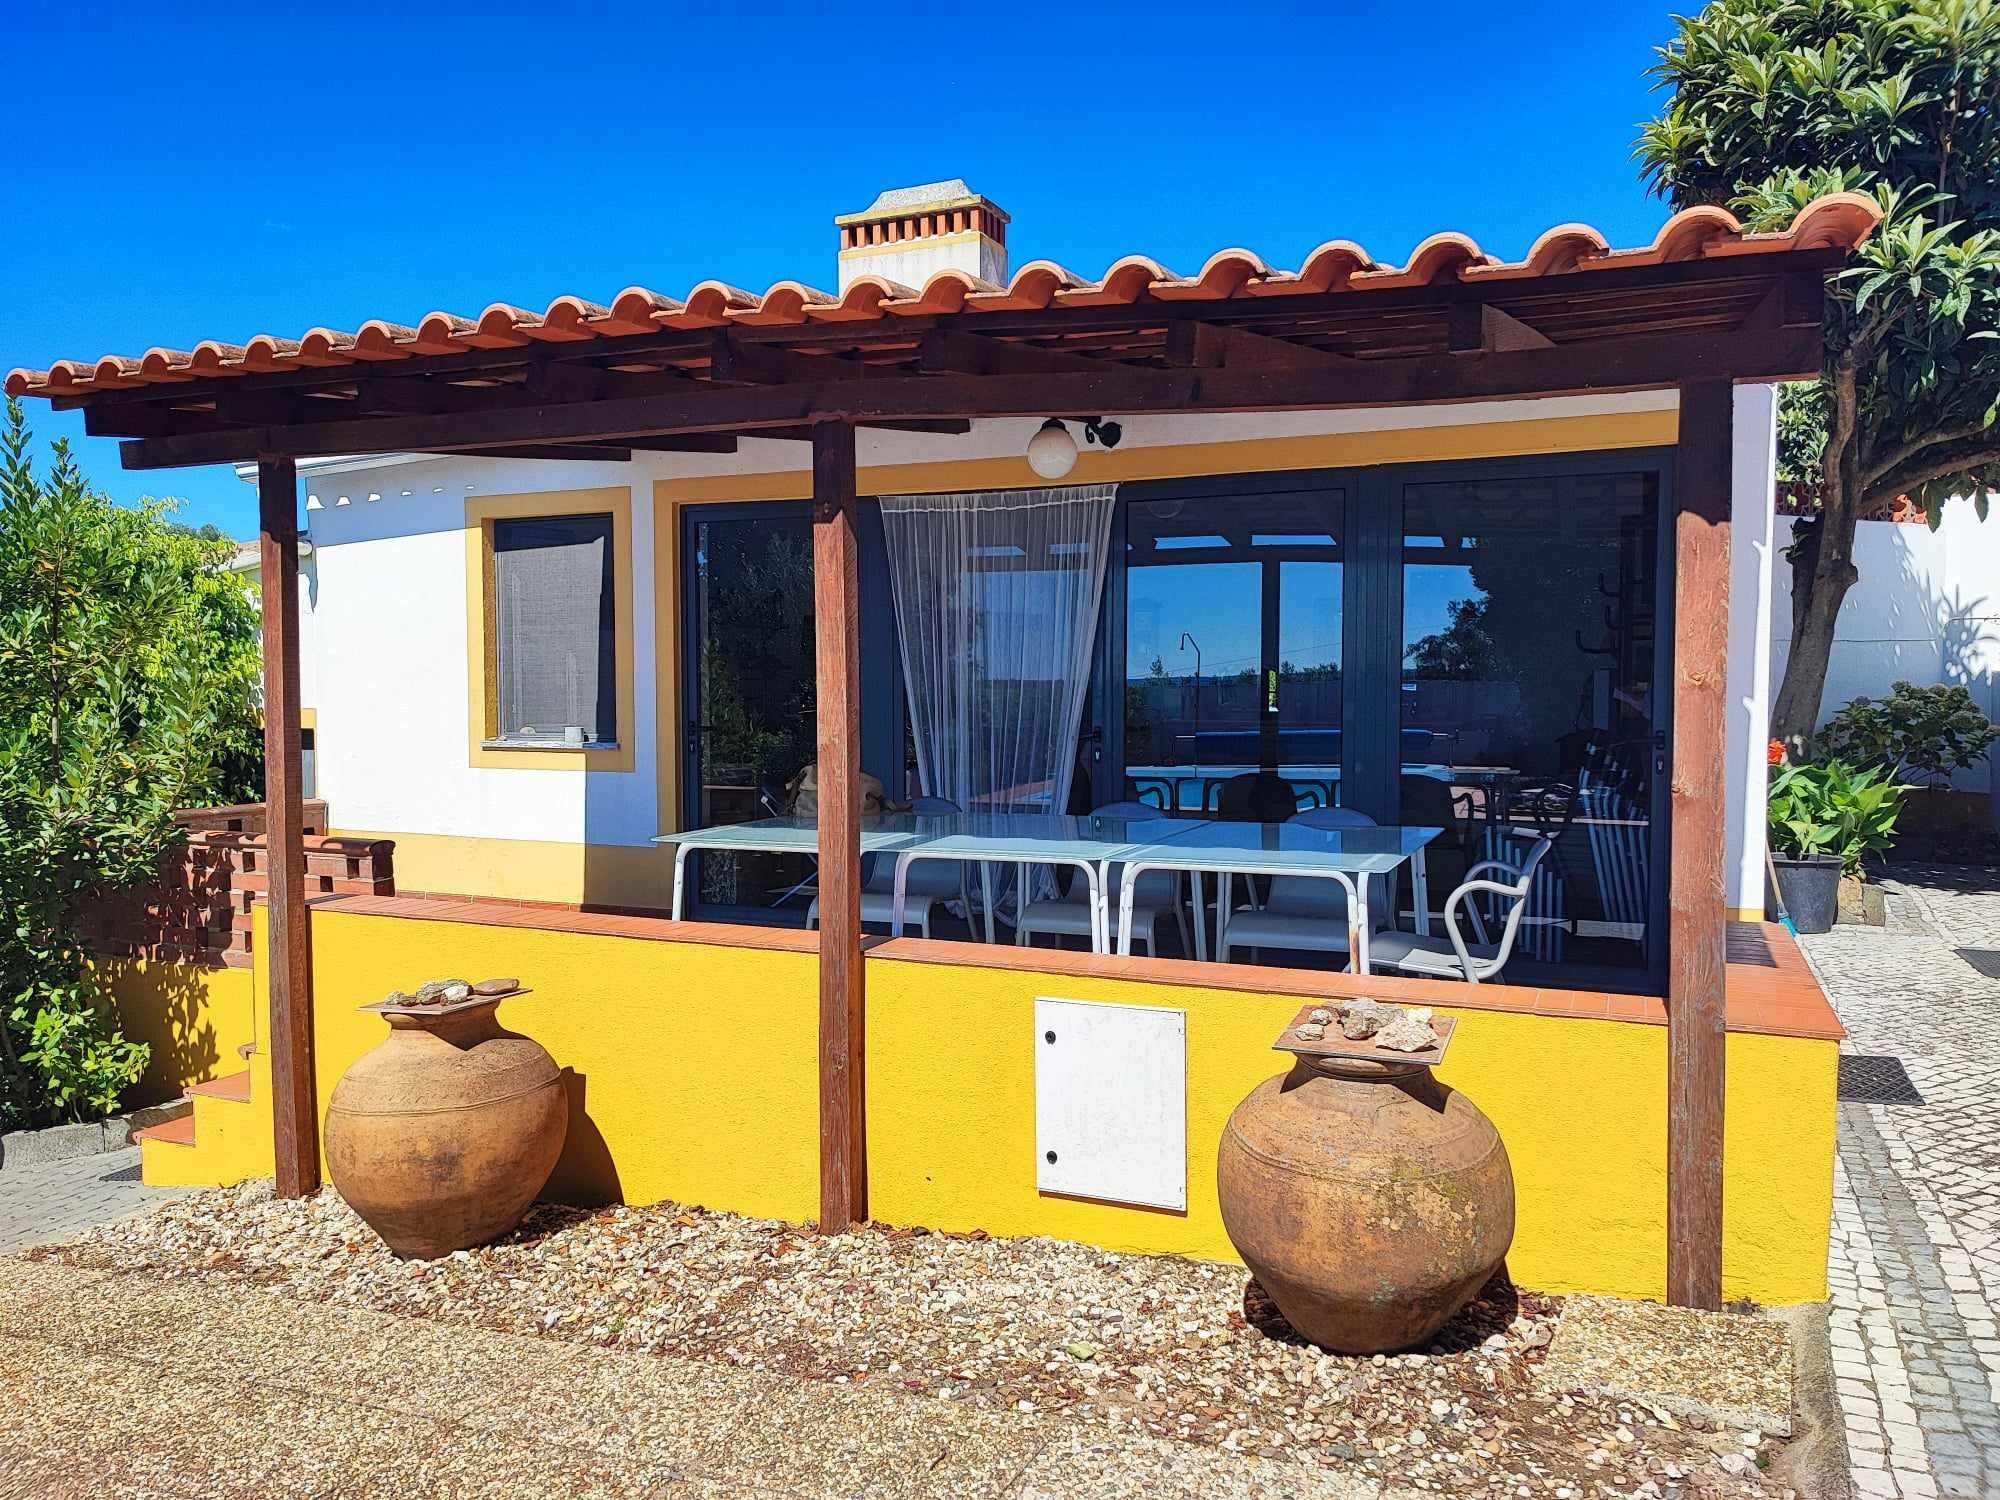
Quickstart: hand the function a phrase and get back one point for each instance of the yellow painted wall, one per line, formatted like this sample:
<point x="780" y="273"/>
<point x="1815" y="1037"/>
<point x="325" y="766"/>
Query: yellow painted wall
<point x="194" y="1020"/>
<point x="695" y="1069"/>
<point x="532" y="869"/>
<point x="1580" y="1104"/>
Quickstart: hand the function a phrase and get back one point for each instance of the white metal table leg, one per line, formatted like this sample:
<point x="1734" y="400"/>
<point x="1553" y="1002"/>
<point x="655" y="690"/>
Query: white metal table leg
<point x="1224" y="899"/>
<point x="1200" y="932"/>
<point x="1357" y="921"/>
<point x="680" y="876"/>
<point x="986" y="895"/>
<point x="903" y="862"/>
<point x="1420" y="888"/>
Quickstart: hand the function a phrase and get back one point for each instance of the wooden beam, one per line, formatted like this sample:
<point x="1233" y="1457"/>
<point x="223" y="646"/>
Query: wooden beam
<point x="1613" y="365"/>
<point x="843" y="1163"/>
<point x="947" y="351"/>
<point x="734" y="361"/>
<point x="1696" y="924"/>
<point x="566" y="452"/>
<point x="1481" y="326"/>
<point x="1212" y="346"/>
<point x="288" y="983"/>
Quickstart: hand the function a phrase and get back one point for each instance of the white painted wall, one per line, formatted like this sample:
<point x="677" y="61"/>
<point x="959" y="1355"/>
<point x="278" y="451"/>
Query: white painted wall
<point x="1752" y="526"/>
<point x="385" y="647"/>
<point x="1927" y="610"/>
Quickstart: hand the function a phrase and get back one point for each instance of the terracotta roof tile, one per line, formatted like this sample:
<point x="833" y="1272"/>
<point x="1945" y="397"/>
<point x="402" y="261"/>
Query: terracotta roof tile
<point x="1838" y="221"/>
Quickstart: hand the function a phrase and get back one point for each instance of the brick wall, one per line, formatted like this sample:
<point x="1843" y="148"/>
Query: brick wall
<point x="199" y="909"/>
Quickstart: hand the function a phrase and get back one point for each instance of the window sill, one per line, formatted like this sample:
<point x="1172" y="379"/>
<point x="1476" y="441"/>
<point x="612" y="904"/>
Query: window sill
<point x="525" y="744"/>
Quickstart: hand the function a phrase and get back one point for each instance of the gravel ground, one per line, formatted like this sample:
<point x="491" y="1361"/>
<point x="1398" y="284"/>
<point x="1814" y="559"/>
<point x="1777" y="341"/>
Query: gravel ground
<point x="1156" y="1345"/>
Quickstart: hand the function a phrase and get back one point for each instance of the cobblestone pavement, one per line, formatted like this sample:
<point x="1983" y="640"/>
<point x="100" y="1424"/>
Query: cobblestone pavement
<point x="1915" y="1265"/>
<point x="54" y="1200"/>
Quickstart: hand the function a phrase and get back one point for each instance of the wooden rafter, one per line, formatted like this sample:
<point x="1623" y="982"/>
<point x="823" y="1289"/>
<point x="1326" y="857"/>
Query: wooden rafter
<point x="1210" y="346"/>
<point x="1630" y="364"/>
<point x="946" y="351"/>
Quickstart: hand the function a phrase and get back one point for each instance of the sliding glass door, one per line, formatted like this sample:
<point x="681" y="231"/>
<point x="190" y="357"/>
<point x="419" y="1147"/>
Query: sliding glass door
<point x="1231" y="622"/>
<point x="750" y="693"/>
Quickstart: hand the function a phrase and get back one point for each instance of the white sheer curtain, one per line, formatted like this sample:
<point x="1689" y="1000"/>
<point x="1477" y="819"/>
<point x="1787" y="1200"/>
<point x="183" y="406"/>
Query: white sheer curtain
<point x="997" y="594"/>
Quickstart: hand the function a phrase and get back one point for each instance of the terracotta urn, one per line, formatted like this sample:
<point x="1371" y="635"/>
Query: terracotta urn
<point x="1369" y="1200"/>
<point x="444" y="1134"/>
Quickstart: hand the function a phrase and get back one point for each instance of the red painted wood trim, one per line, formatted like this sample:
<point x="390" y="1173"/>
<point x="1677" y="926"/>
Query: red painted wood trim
<point x="843" y="1169"/>
<point x="295" y="1117"/>
<point x="1697" y="926"/>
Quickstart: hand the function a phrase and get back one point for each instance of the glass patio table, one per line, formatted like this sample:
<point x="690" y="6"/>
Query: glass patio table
<point x="1350" y="856"/>
<point x="791" y="835"/>
<point x="1085" y="844"/>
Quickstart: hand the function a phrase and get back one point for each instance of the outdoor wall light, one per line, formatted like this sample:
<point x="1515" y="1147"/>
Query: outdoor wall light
<point x="1097" y="430"/>
<point x="1052" y="451"/>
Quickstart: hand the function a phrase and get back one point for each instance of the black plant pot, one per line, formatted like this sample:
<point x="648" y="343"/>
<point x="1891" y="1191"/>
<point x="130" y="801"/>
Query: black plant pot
<point x="1810" y="887"/>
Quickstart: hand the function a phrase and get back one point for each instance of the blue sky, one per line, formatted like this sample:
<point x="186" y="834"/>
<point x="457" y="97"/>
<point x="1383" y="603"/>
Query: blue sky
<point x="255" y="171"/>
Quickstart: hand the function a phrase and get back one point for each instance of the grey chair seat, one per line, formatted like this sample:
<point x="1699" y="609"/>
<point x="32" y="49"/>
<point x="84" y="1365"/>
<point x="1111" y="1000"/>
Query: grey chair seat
<point x="1070" y="917"/>
<point x="1415" y="954"/>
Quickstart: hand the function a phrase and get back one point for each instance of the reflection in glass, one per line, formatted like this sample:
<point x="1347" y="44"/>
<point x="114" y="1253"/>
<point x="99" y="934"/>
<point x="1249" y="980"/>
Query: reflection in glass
<point x="755" y="687"/>
<point x="1528" y="660"/>
<point x="1233" y="641"/>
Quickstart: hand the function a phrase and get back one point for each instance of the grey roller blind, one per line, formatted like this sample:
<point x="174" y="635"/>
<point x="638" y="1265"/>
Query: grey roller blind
<point x="554" y="653"/>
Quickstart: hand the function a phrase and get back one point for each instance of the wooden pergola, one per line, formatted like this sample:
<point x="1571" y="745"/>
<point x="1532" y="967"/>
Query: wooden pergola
<point x="1702" y="309"/>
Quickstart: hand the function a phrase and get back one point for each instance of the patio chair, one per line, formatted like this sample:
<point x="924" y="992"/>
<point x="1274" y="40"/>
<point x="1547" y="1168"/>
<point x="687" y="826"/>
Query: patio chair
<point x="1256" y="797"/>
<point x="1451" y="957"/>
<point x="1158" y="893"/>
<point x="930" y="881"/>
<point x="1302" y="912"/>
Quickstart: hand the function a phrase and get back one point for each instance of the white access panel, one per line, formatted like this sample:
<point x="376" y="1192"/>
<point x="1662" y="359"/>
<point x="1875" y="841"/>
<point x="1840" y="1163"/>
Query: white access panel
<point x="1111" y="1102"/>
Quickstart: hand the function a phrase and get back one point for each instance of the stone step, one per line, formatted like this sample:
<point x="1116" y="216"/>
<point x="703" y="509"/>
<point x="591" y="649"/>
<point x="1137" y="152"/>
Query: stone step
<point x="235" y="1086"/>
<point x="176" y="1132"/>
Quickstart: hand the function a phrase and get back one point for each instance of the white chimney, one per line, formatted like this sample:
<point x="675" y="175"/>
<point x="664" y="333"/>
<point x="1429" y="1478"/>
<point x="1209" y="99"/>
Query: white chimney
<point x="908" y="235"/>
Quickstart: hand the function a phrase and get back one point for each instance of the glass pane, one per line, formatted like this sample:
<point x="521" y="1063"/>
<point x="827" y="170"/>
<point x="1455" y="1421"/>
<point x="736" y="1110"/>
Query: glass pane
<point x="1528" y="639"/>
<point x="1232" y="670"/>
<point x="754" y="673"/>
<point x="554" y="655"/>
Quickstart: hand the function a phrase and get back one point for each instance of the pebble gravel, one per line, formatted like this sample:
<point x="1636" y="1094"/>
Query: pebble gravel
<point x="1153" y="1346"/>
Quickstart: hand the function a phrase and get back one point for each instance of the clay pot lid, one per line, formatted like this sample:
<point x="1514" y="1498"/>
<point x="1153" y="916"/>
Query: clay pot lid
<point x="450" y="1008"/>
<point x="1334" y="1045"/>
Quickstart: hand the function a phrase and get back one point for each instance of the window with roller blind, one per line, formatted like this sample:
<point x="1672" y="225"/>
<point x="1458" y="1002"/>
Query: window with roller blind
<point x="555" y="645"/>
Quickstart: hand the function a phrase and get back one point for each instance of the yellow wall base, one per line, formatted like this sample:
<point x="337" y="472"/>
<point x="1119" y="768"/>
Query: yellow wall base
<point x="193" y="1019"/>
<point x="694" y="1076"/>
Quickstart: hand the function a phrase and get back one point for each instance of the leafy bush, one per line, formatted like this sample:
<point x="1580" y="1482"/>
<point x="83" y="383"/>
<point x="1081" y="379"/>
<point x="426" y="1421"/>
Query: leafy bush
<point x="127" y="689"/>
<point x="1924" y="731"/>
<point x="1833" y="809"/>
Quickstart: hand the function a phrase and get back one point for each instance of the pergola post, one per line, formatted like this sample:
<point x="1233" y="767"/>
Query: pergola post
<point x="1697" y="931"/>
<point x="288" y="976"/>
<point x="843" y="1169"/>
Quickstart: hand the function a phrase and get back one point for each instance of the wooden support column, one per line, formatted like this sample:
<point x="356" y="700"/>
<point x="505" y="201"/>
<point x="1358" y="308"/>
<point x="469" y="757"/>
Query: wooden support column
<point x="288" y="983"/>
<point x="843" y="1164"/>
<point x="1696" y="922"/>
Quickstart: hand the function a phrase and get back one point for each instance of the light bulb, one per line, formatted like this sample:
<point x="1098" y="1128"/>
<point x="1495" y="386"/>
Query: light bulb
<point x="1052" y="451"/>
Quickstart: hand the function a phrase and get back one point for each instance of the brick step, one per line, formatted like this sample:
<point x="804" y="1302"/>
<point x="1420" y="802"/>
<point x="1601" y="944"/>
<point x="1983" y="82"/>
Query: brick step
<point x="234" y="1086"/>
<point x="178" y="1132"/>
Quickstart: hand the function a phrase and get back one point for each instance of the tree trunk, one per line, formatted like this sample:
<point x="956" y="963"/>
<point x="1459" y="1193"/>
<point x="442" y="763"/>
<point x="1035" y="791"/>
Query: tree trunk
<point x="1822" y="573"/>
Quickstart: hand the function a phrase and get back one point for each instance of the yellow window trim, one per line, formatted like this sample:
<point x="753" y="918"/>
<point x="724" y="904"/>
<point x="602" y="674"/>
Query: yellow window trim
<point x="1329" y="450"/>
<point x="482" y="693"/>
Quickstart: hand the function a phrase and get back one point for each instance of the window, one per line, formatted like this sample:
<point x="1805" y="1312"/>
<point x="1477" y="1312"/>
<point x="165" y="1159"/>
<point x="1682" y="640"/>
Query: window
<point x="554" y="636"/>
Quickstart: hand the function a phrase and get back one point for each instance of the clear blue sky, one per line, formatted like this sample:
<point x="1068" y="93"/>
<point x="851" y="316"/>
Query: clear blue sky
<point x="229" y="171"/>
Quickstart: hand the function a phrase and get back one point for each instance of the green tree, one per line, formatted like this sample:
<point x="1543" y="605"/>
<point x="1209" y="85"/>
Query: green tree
<point x="127" y="682"/>
<point x="1778" y="101"/>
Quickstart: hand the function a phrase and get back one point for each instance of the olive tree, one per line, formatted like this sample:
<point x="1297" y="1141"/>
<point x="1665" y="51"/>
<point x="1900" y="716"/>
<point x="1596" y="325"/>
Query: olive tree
<point x="1777" y="101"/>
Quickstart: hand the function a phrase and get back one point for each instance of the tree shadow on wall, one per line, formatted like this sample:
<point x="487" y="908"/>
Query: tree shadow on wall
<point x="169" y="1007"/>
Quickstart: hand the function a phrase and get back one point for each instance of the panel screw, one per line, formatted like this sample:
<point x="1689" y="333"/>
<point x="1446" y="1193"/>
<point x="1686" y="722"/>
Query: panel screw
<point x="1049" y="1036"/>
<point x="1052" y="1158"/>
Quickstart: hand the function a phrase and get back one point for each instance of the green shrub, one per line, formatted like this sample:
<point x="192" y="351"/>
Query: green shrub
<point x="127" y="690"/>
<point x="1927" y="732"/>
<point x="1832" y="809"/>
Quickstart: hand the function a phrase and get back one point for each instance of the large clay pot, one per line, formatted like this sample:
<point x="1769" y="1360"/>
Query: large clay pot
<point x="1370" y="1201"/>
<point x="444" y="1134"/>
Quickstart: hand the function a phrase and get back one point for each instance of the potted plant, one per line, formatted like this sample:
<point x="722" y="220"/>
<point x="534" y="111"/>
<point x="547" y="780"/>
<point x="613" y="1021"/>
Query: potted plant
<point x="1925" y="736"/>
<point x="1824" y="818"/>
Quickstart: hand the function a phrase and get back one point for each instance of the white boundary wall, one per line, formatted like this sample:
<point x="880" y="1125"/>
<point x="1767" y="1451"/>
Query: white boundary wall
<point x="1927" y="610"/>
